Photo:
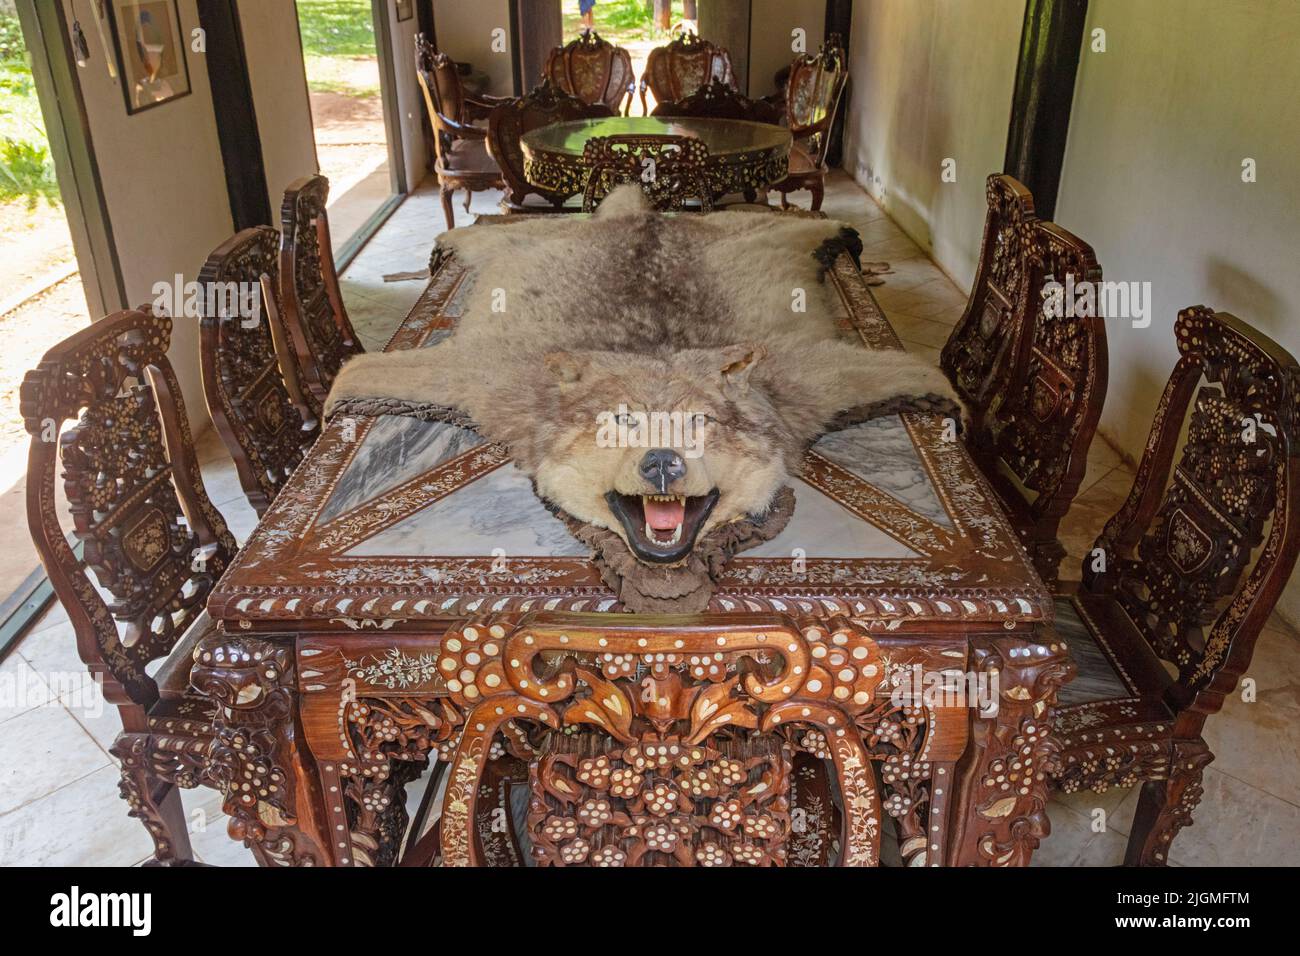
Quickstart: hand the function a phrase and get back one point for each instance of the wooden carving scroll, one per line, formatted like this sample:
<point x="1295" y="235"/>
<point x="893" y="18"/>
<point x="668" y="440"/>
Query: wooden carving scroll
<point x="689" y="729"/>
<point x="152" y="538"/>
<point x="679" y="167"/>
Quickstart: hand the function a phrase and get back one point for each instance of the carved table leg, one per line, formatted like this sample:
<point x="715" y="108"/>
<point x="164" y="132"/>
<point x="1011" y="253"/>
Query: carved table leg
<point x="1004" y="776"/>
<point x="255" y="758"/>
<point x="1165" y="806"/>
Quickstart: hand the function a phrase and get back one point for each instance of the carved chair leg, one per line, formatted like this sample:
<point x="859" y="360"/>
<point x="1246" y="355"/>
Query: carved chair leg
<point x="447" y="211"/>
<point x="1165" y="806"/>
<point x="469" y="194"/>
<point x="818" y="190"/>
<point x="153" y="801"/>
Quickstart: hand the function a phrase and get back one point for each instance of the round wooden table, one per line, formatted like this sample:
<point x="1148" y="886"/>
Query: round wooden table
<point x="743" y="156"/>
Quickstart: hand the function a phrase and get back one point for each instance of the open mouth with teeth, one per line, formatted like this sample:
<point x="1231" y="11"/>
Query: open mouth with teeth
<point x="661" y="529"/>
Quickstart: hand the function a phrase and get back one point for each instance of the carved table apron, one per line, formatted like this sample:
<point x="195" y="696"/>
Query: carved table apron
<point x="395" y="529"/>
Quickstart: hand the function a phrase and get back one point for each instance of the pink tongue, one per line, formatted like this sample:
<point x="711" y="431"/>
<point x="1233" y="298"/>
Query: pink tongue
<point x="664" y="515"/>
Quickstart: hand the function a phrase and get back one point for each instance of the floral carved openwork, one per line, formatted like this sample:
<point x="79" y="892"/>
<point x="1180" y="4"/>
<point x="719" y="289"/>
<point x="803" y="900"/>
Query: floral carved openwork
<point x="663" y="746"/>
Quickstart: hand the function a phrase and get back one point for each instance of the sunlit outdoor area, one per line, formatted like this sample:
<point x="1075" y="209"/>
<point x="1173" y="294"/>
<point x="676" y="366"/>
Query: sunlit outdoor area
<point x="338" y="43"/>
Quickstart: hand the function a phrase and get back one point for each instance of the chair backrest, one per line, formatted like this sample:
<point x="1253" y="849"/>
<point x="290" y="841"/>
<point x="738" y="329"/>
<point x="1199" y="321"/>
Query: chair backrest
<point x="507" y="124"/>
<point x="310" y="298"/>
<point x="717" y="100"/>
<point x="681" y="67"/>
<point x="593" y="70"/>
<point x="813" y="92"/>
<point x="976" y="357"/>
<point x="671" y="170"/>
<point x="1040" y="428"/>
<point x="152" y="538"/>
<point x="1201" y="550"/>
<point x="250" y="374"/>
<point x="444" y="94"/>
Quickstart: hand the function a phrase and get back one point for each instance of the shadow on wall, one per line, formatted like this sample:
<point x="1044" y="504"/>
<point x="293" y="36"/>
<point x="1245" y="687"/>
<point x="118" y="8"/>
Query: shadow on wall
<point x="1258" y="304"/>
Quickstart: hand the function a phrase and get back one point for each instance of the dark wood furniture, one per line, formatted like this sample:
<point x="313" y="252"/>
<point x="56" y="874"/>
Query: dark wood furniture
<point x="671" y="170"/>
<point x="678" y="69"/>
<point x="1183" y="577"/>
<point x="250" y="368"/>
<point x="1032" y="372"/>
<point x="153" y="547"/>
<point x="812" y="95"/>
<point x="463" y="161"/>
<point x="508" y="123"/>
<point x="593" y="70"/>
<point x="741" y="156"/>
<point x="360" y="567"/>
<point x="719" y="100"/>
<point x="310" y="298"/>
<point x="645" y="756"/>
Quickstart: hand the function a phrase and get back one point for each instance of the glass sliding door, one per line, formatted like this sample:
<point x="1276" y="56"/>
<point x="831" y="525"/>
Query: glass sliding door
<point x="344" y="52"/>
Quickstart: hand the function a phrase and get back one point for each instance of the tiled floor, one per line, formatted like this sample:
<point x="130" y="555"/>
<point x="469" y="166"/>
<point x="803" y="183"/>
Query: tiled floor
<point x="58" y="784"/>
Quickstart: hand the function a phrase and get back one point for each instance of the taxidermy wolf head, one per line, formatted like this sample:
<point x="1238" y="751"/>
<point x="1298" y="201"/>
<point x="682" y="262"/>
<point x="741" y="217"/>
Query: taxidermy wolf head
<point x="659" y="377"/>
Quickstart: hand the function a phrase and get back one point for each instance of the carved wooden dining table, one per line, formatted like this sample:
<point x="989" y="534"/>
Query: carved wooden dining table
<point x="395" y="530"/>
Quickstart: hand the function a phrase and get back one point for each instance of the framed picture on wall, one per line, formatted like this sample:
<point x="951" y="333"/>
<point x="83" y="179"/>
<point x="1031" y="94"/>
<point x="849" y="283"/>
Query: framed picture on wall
<point x="150" y="52"/>
<point x="405" y="9"/>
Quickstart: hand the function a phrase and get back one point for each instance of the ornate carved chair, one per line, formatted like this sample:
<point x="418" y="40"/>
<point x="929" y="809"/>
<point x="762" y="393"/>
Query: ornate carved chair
<point x="672" y="170"/>
<point x="1033" y="373"/>
<point x="508" y="123"/>
<point x="717" y="742"/>
<point x="976" y="355"/>
<point x="594" y="70"/>
<point x="310" y="298"/>
<point x="151" y="538"/>
<point x="719" y="100"/>
<point x="250" y="373"/>
<point x="463" y="161"/>
<point x="1183" y="577"/>
<point x="677" y="70"/>
<point x="813" y="93"/>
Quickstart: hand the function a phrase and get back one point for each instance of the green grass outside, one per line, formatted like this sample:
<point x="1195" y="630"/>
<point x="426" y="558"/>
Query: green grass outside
<point x="618" y="21"/>
<point x="26" y="167"/>
<point x="335" y="32"/>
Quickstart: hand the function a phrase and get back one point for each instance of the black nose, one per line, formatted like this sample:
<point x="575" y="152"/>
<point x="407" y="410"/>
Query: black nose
<point x="661" y="467"/>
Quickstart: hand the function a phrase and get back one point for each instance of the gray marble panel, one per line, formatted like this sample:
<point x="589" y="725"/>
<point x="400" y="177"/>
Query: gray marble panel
<point x="396" y="449"/>
<point x="881" y="452"/>
<point x="498" y="510"/>
<point x="822" y="528"/>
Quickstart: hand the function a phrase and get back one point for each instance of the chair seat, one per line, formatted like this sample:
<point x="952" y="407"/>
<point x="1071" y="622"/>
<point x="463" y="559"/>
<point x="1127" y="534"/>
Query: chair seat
<point x="802" y="163"/>
<point x="469" y="156"/>
<point x="1108" y="668"/>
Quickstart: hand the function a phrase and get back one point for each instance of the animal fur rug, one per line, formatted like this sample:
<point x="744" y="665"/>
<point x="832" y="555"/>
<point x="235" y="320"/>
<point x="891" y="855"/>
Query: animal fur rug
<point x="658" y="377"/>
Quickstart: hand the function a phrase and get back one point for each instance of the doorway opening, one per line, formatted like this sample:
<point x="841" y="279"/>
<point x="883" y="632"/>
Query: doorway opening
<point x="42" y="299"/>
<point x="342" y="50"/>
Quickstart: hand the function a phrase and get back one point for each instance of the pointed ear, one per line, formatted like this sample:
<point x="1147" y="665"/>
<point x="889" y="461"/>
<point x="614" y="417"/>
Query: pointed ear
<point x="567" y="367"/>
<point x="736" y="364"/>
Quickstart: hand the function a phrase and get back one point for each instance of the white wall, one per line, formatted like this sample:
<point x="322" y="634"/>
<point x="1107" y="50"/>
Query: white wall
<point x="1152" y="179"/>
<point x="770" y="39"/>
<point x="929" y="80"/>
<point x="164" y="185"/>
<point x="464" y="29"/>
<point x="275" y="72"/>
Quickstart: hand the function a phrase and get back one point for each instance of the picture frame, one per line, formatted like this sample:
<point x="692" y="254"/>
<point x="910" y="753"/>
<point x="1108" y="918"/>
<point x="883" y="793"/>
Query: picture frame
<point x="405" y="9"/>
<point x="151" y="51"/>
